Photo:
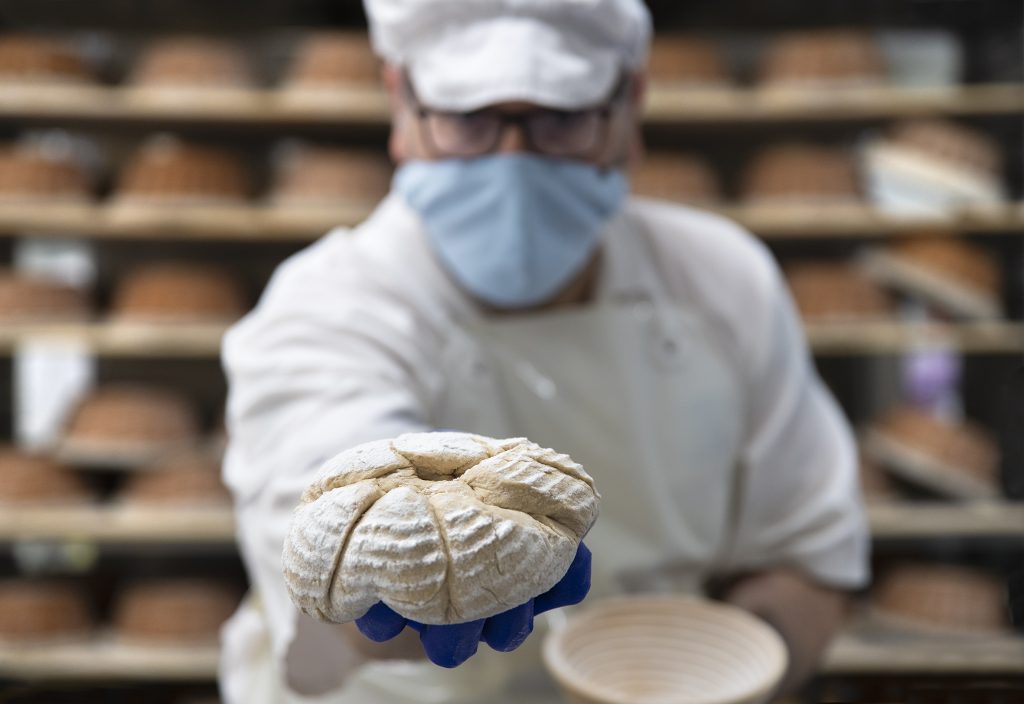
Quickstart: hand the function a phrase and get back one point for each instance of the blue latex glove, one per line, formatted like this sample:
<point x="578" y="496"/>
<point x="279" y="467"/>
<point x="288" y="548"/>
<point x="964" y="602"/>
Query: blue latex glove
<point x="452" y="645"/>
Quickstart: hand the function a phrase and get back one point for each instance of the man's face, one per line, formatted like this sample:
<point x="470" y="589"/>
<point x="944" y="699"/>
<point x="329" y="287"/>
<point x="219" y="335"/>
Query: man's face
<point x="608" y="136"/>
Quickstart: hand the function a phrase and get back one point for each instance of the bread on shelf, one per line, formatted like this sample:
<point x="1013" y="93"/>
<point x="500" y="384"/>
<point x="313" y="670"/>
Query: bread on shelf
<point x="827" y="58"/>
<point x="959" y="278"/>
<point x="177" y="67"/>
<point x="328" y="177"/>
<point x="41" y="61"/>
<point x="30" y="175"/>
<point x="678" y="177"/>
<point x="938" y="599"/>
<point x="28" y="479"/>
<point x="168" y="172"/>
<point x="187" y="480"/>
<point x="801" y="174"/>
<point x="684" y="61"/>
<point x="933" y="167"/>
<point x="173" y="611"/>
<point x="26" y="298"/>
<point x="836" y="292"/>
<point x="875" y="485"/>
<point x="178" y="292"/>
<point x="959" y="460"/>
<point x="129" y="424"/>
<point x="34" y="612"/>
<point x="329" y="61"/>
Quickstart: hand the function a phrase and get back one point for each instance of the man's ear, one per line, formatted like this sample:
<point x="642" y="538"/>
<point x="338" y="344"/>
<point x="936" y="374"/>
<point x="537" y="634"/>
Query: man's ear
<point x="392" y="77"/>
<point x="637" y="97"/>
<point x="638" y="91"/>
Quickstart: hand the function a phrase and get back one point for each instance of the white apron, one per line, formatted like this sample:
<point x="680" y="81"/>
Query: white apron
<point x="636" y="391"/>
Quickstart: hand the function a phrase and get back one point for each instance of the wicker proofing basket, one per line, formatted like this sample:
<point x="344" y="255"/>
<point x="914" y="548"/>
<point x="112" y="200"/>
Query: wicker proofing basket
<point x="665" y="649"/>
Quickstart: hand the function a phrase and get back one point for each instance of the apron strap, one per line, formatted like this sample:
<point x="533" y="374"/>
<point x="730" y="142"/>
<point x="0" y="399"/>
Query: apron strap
<point x="645" y="262"/>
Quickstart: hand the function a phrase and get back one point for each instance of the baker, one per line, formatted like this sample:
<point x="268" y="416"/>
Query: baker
<point x="509" y="286"/>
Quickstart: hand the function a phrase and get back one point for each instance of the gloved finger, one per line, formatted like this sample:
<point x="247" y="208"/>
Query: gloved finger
<point x="380" y="623"/>
<point x="572" y="588"/>
<point x="507" y="631"/>
<point x="450" y="646"/>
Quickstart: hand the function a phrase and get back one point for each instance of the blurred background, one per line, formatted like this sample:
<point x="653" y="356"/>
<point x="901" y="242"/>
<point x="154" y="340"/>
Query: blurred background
<point x="159" y="158"/>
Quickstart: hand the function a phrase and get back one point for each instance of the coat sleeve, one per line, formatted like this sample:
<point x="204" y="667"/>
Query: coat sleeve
<point x="319" y="366"/>
<point x="798" y="497"/>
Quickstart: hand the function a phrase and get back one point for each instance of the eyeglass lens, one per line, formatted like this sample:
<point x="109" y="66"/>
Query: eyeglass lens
<point x="548" y="131"/>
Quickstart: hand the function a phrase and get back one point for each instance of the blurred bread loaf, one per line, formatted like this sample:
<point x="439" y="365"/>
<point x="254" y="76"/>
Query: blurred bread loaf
<point x="322" y="177"/>
<point x="35" y="480"/>
<point x="36" y="612"/>
<point x="29" y="175"/>
<point x="801" y="174"/>
<point x="836" y="292"/>
<point x="326" y="60"/>
<point x="184" y="480"/>
<point x="933" y="598"/>
<point x="829" y="58"/>
<point x="184" y="62"/>
<point x="133" y="422"/>
<point x="173" y="611"/>
<point x="955" y="459"/>
<point x="27" y="298"/>
<point x="178" y="292"/>
<point x="35" y="60"/>
<point x="686" y="61"/>
<point x="957" y="277"/>
<point x="933" y="167"/>
<point x="682" y="178"/>
<point x="166" y="171"/>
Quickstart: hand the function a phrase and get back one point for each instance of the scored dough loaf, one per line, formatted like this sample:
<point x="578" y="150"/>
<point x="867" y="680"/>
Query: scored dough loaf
<point x="442" y="527"/>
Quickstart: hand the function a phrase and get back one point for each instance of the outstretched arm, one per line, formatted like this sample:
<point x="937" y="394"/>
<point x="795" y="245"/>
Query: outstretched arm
<point x="807" y="614"/>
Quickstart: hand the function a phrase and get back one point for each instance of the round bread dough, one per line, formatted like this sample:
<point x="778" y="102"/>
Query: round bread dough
<point x="442" y="527"/>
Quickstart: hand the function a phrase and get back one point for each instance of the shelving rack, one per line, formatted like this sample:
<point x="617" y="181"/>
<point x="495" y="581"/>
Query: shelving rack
<point x="862" y="651"/>
<point x="203" y="341"/>
<point x="126" y="525"/>
<point x="255" y="224"/>
<point x="665" y="105"/>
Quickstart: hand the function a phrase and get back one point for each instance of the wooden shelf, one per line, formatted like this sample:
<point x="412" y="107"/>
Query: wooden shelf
<point x="258" y="224"/>
<point x="105" y="660"/>
<point x="858" y="652"/>
<point x="869" y="650"/>
<point x="934" y="520"/>
<point x="204" y="340"/>
<point x="244" y="224"/>
<point x="120" y="524"/>
<point x="121" y="339"/>
<point x="255" y="107"/>
<point x="989" y="337"/>
<point x="666" y="105"/>
<point x="215" y="525"/>
<point x="804" y="222"/>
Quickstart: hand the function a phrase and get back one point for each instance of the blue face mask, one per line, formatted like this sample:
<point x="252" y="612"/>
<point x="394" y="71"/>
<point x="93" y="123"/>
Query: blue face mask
<point x="512" y="229"/>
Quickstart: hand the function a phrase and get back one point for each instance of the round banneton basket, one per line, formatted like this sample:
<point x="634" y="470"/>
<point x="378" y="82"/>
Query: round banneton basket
<point x="665" y="649"/>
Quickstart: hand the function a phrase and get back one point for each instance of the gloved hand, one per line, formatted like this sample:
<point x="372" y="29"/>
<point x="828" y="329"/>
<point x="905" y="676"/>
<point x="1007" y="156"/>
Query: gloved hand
<point x="451" y="645"/>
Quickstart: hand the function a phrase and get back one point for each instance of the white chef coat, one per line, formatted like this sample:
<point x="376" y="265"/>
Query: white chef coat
<point x="355" y="339"/>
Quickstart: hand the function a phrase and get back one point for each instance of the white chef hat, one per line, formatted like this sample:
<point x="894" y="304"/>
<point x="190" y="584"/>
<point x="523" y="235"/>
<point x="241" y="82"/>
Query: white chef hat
<point x="465" y="54"/>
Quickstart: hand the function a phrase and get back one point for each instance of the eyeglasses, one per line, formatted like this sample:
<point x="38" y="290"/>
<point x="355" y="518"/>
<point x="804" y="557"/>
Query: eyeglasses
<point x="558" y="133"/>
